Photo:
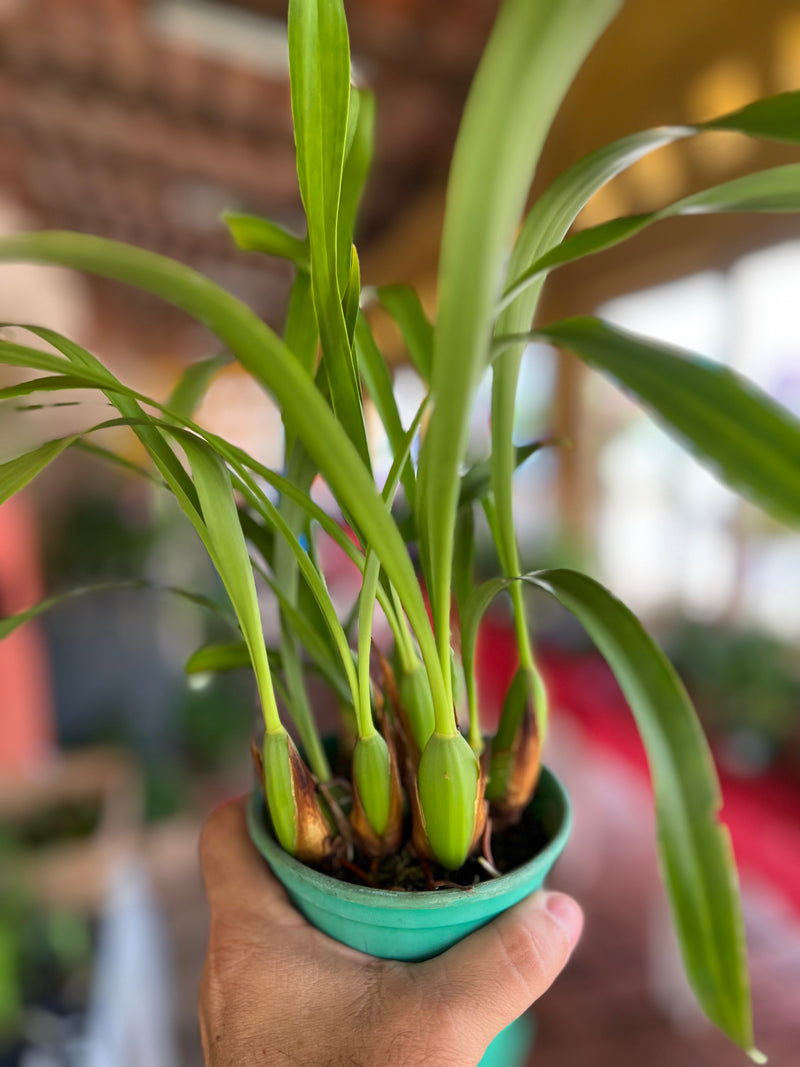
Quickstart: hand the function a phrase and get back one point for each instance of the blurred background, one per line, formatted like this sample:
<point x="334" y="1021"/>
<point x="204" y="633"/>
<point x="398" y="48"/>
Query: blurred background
<point x="142" y="120"/>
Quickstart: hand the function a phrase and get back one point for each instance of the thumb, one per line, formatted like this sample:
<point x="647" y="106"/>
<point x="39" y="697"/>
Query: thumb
<point x="238" y="882"/>
<point x="491" y="977"/>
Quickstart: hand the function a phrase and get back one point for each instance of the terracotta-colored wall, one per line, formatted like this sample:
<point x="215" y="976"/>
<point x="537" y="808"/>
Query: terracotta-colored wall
<point x="26" y="720"/>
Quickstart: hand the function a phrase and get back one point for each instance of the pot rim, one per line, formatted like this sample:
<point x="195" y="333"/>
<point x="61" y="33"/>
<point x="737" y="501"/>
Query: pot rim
<point x="414" y="899"/>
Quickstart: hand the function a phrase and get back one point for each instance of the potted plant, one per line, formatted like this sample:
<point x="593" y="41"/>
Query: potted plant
<point x="413" y="772"/>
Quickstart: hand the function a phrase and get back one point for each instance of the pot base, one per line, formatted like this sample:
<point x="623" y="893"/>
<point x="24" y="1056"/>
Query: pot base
<point x="417" y="926"/>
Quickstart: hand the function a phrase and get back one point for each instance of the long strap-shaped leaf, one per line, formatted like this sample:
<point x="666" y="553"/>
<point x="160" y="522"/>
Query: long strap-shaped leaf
<point x="319" y="59"/>
<point x="369" y="585"/>
<point x="251" y="233"/>
<point x="533" y="53"/>
<point x="319" y="55"/>
<point x="694" y="849"/>
<point x="217" y="522"/>
<point x="229" y="553"/>
<point x="16" y="473"/>
<point x="316" y="583"/>
<point x="268" y="360"/>
<point x="776" y="190"/>
<point x="192" y="386"/>
<point x="9" y="623"/>
<point x="741" y="433"/>
<point x="379" y="384"/>
<point x="23" y="468"/>
<point x="357" y="163"/>
<point x="405" y="307"/>
<point x="776" y="118"/>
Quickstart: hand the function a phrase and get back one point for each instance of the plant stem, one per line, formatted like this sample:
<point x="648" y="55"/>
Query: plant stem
<point x="521" y="624"/>
<point x="300" y="471"/>
<point x="402" y="636"/>
<point x="366" y="727"/>
<point x="300" y="707"/>
<point x="475" y="736"/>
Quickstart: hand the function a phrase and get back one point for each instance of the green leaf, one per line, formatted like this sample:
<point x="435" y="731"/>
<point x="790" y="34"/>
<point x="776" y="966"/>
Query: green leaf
<point x="775" y="118"/>
<point x="405" y="307"/>
<point x="403" y="452"/>
<point x="319" y="61"/>
<point x="379" y="385"/>
<point x="126" y="402"/>
<point x="240" y="461"/>
<point x="146" y="424"/>
<point x="553" y="213"/>
<point x="93" y="374"/>
<point x="16" y="355"/>
<point x="775" y="190"/>
<point x="463" y="554"/>
<point x="352" y="295"/>
<point x="50" y="384"/>
<point x="369" y="585"/>
<point x="316" y="642"/>
<point x="9" y="623"/>
<point x="300" y="329"/>
<point x="463" y="582"/>
<point x="213" y="658"/>
<point x="16" y="473"/>
<point x="253" y="234"/>
<point x="229" y="553"/>
<point x="301" y="336"/>
<point x="694" y="848"/>
<point x="746" y="438"/>
<point x="358" y="160"/>
<point x="476" y="481"/>
<point x="319" y="58"/>
<point x="533" y="53"/>
<point x="315" y="581"/>
<point x="544" y="227"/>
<point x="270" y="362"/>
<point x="260" y="537"/>
<point x="119" y="461"/>
<point x="194" y="383"/>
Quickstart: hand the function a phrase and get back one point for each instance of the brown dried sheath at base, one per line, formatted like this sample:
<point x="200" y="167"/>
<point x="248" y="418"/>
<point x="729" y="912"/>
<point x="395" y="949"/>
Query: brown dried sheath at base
<point x="524" y="766"/>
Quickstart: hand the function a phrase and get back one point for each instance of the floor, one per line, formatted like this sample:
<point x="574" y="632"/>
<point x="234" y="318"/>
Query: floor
<point x="623" y="1000"/>
<point x="601" y="1012"/>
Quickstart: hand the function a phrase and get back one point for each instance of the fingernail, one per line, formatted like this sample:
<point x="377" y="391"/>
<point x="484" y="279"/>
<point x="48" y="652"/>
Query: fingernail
<point x="567" y="914"/>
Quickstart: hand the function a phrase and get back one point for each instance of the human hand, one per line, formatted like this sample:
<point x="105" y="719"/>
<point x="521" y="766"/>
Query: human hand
<point x="277" y="991"/>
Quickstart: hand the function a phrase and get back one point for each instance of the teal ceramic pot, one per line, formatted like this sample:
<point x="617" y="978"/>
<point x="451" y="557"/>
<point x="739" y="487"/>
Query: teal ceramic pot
<point x="416" y="926"/>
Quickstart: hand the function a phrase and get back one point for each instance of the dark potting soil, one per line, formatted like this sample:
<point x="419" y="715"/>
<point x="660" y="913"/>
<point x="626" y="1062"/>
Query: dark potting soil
<point x="405" y="872"/>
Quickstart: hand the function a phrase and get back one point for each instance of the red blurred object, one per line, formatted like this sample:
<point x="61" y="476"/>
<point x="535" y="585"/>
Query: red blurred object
<point x="26" y="719"/>
<point x="763" y="813"/>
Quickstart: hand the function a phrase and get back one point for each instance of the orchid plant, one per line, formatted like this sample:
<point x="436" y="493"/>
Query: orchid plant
<point x="413" y="771"/>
